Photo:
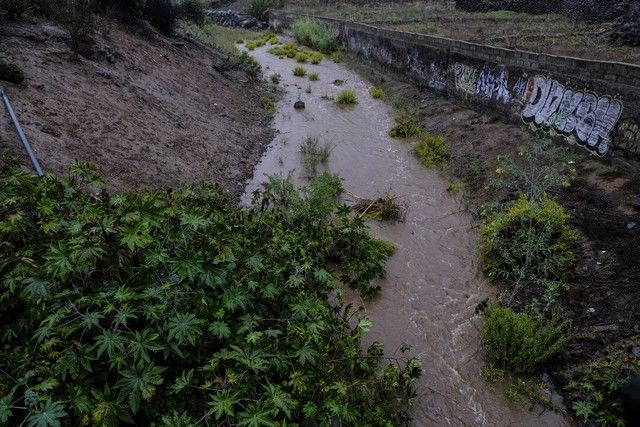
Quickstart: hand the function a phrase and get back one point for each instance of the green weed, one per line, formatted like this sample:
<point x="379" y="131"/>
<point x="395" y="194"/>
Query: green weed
<point x="431" y="150"/>
<point x="315" y="57"/>
<point x="314" y="154"/>
<point x="259" y="8"/>
<point x="268" y="104"/>
<point x="314" y="77"/>
<point x="338" y="56"/>
<point x="405" y="127"/>
<point x="521" y="342"/>
<point x="162" y="307"/>
<point x="299" y="72"/>
<point x="347" y="97"/>
<point x="530" y="244"/>
<point x="301" y="57"/>
<point x="377" y="92"/>
<point x="275" y="78"/>
<point x="312" y="33"/>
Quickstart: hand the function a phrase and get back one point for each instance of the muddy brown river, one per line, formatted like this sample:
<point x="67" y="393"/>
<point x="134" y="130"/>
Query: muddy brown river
<point x="433" y="280"/>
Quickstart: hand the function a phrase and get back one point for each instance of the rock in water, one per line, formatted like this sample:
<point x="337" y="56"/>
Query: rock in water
<point x="299" y="105"/>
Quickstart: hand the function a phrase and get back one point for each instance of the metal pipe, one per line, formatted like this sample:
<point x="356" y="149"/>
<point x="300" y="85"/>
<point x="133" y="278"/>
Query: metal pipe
<point x="21" y="135"/>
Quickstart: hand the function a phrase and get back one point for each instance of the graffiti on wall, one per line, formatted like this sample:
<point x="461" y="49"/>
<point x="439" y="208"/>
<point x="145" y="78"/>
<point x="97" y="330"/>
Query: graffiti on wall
<point x="583" y="115"/>
<point x="626" y="139"/>
<point x="589" y="119"/>
<point x="494" y="85"/>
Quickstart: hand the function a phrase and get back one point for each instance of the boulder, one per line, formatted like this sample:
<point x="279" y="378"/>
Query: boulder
<point x="299" y="105"/>
<point x="10" y="72"/>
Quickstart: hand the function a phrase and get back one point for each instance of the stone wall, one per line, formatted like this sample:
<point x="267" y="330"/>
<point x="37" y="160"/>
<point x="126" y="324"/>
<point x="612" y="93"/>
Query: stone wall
<point x="593" y="104"/>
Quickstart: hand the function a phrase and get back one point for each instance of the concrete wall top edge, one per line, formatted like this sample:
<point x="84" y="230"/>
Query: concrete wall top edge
<point x="622" y="69"/>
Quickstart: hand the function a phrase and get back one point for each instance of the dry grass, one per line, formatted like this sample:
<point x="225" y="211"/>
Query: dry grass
<point x="386" y="208"/>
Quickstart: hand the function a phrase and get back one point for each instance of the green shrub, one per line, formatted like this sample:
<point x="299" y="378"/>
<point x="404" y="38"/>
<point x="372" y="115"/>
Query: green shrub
<point x="338" y="56"/>
<point x="376" y="92"/>
<point x="191" y="10"/>
<point x="347" y="97"/>
<point x="301" y="57"/>
<point x="268" y="104"/>
<point x="521" y="342"/>
<point x="431" y="150"/>
<point x="159" y="307"/>
<point x="259" y="9"/>
<point x="312" y="33"/>
<point x="315" y="57"/>
<point x="250" y="45"/>
<point x="314" y="77"/>
<point x="299" y="72"/>
<point x="405" y="127"/>
<point x="530" y="243"/>
<point x="596" y="390"/>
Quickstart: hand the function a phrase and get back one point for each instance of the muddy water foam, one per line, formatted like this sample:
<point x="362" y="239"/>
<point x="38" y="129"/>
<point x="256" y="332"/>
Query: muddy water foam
<point x="433" y="282"/>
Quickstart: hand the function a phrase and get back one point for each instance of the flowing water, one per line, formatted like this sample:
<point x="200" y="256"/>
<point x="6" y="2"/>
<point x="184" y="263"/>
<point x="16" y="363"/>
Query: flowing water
<point x="433" y="281"/>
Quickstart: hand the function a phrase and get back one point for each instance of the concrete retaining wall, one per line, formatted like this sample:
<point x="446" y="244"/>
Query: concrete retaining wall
<point x="594" y="104"/>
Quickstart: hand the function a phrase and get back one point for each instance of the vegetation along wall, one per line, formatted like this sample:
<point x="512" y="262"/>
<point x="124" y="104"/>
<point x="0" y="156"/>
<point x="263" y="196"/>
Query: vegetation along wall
<point x="593" y="104"/>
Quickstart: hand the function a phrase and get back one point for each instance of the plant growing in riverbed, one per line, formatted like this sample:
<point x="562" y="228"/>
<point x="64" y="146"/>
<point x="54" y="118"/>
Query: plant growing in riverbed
<point x="338" y="56"/>
<point x="406" y="127"/>
<point x="315" y="57"/>
<point x="275" y="78"/>
<point x="314" y="77"/>
<point x="530" y="244"/>
<point x="431" y="150"/>
<point x="299" y="72"/>
<point x="347" y="97"/>
<point x="301" y="57"/>
<point x="268" y="104"/>
<point x="521" y="342"/>
<point x="376" y="92"/>
<point x="314" y="154"/>
<point x="312" y="33"/>
<point x="140" y="305"/>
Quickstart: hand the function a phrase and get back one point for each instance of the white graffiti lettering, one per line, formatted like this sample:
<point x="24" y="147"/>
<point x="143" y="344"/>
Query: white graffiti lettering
<point x="583" y="115"/>
<point x="493" y="84"/>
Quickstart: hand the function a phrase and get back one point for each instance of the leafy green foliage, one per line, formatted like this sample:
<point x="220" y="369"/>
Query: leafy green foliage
<point x="520" y="342"/>
<point x="191" y="10"/>
<point x="376" y="92"/>
<point x="314" y="77"/>
<point x="299" y="71"/>
<point x="596" y="390"/>
<point x="312" y="33"/>
<point x="156" y="308"/>
<point x="259" y="9"/>
<point x="347" y="97"/>
<point x="530" y="244"/>
<point x="268" y="104"/>
<point x="541" y="166"/>
<point x="406" y="127"/>
<point x="431" y="150"/>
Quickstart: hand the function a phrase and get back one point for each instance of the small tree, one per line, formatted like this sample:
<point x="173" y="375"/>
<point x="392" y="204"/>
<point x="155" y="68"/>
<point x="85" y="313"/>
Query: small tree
<point x="77" y="18"/>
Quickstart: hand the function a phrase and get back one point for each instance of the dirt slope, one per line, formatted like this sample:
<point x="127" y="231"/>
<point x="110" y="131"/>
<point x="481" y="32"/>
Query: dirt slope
<point x="145" y="111"/>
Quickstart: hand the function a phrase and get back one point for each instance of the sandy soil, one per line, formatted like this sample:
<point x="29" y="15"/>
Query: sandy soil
<point x="145" y="111"/>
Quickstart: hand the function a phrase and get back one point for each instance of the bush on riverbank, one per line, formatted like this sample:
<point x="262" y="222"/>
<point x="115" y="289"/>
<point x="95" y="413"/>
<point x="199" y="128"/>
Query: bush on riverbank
<point x="164" y="307"/>
<point x="431" y="150"/>
<point x="529" y="244"/>
<point x="521" y="342"/>
<point x="312" y="33"/>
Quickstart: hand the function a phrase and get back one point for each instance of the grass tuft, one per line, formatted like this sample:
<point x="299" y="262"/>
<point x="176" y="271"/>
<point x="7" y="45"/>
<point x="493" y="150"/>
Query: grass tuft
<point x="299" y="71"/>
<point x="347" y="97"/>
<point x="314" y="77"/>
<point x="405" y="127"/>
<point x="431" y="150"/>
<point x="377" y="92"/>
<point x="312" y="33"/>
<point x="314" y="154"/>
